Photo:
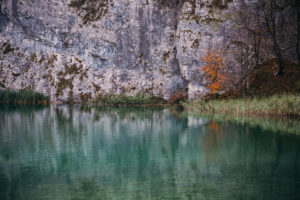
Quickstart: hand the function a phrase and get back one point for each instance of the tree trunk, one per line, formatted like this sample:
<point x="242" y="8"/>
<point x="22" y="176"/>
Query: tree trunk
<point x="270" y="19"/>
<point x="279" y="57"/>
<point x="256" y="49"/>
<point x="298" y="30"/>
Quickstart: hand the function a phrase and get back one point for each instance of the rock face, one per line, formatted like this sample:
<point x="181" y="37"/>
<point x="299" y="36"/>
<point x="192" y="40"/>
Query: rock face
<point x="76" y="49"/>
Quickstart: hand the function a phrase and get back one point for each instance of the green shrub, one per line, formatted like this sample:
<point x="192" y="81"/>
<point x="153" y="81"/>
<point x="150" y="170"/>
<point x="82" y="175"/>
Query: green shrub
<point x="25" y="96"/>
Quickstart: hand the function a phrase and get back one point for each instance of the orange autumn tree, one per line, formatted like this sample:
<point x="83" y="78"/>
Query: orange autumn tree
<point x="213" y="70"/>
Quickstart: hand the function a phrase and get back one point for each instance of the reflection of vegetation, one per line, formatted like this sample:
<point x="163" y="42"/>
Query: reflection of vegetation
<point x="277" y="105"/>
<point x="291" y="126"/>
<point x="212" y="141"/>
<point x="89" y="189"/>
<point x="131" y="112"/>
<point x="28" y="108"/>
<point x="22" y="97"/>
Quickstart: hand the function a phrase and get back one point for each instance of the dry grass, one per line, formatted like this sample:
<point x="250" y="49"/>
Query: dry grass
<point x="286" y="105"/>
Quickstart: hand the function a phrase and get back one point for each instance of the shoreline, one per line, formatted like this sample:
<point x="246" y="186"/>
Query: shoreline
<point x="276" y="106"/>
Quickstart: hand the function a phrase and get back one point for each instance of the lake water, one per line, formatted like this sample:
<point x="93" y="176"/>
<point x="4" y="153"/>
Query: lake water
<point x="71" y="153"/>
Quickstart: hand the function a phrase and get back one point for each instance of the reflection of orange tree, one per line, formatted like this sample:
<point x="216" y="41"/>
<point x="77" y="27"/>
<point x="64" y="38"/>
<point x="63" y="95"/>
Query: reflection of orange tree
<point x="211" y="141"/>
<point x="213" y="126"/>
<point x="214" y="133"/>
<point x="213" y="70"/>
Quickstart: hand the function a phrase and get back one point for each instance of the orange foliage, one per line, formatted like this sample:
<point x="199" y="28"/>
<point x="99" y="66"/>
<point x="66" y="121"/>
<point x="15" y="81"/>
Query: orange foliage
<point x="213" y="70"/>
<point x="177" y="97"/>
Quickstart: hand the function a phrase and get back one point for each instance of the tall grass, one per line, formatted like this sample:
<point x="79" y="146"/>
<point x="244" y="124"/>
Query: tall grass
<point x="285" y="105"/>
<point x="22" y="97"/>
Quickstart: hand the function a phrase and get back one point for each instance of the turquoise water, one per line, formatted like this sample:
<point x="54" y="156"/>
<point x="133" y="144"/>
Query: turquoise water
<point x="69" y="153"/>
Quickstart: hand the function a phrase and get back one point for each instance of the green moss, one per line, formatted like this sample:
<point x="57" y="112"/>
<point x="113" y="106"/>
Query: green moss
<point x="63" y="84"/>
<point x="51" y="60"/>
<point x="60" y="73"/>
<point x="42" y="59"/>
<point x="93" y="10"/>
<point x="213" y="6"/>
<point x="70" y="98"/>
<point x="96" y="87"/>
<point x="33" y="57"/>
<point x="211" y="21"/>
<point x="49" y="76"/>
<point x="221" y="4"/>
<point x="166" y="55"/>
<point x="78" y="60"/>
<point x="141" y="58"/>
<point x="195" y="44"/>
<point x="7" y="48"/>
<point x="82" y="75"/>
<point x="73" y="69"/>
<point x="163" y="72"/>
<point x="85" y="97"/>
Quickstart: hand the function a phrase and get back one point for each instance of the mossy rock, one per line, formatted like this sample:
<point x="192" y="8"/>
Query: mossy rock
<point x="91" y="10"/>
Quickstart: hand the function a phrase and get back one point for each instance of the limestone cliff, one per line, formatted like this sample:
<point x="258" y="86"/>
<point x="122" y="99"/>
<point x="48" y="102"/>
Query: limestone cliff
<point x="77" y="49"/>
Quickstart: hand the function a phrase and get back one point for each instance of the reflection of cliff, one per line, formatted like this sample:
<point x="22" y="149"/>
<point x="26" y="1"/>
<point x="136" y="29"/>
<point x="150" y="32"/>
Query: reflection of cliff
<point x="69" y="153"/>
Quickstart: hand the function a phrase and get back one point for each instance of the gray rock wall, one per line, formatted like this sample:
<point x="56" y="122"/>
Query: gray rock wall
<point x="74" y="49"/>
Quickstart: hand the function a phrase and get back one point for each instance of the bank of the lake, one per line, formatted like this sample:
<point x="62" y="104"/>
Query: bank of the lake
<point x="279" y="105"/>
<point x="26" y="96"/>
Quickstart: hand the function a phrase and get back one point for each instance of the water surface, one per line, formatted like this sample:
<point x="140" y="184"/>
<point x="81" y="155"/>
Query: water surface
<point x="68" y="153"/>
